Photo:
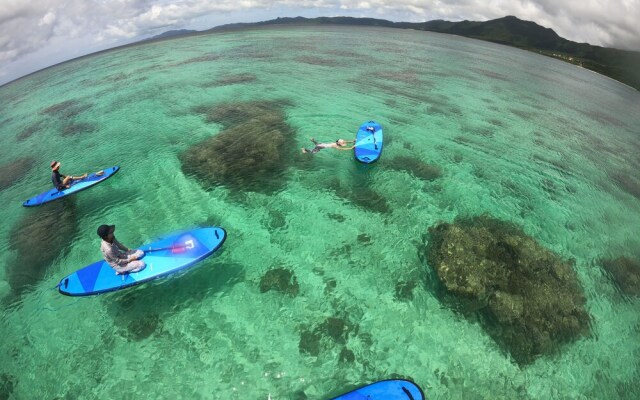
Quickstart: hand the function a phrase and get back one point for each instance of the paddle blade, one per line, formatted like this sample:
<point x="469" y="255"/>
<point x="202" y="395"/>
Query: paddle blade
<point x="181" y="248"/>
<point x="178" y="249"/>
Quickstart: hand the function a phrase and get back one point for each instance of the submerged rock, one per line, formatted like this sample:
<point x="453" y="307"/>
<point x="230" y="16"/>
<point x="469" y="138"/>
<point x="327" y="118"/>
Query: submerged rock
<point x="251" y="153"/>
<point x="330" y="285"/>
<point x="309" y="343"/>
<point x="625" y="274"/>
<point x="529" y="299"/>
<point x="325" y="335"/>
<point x="335" y="328"/>
<point x="67" y="109"/>
<point x="347" y="356"/>
<point x="280" y="279"/>
<point x="14" y="171"/>
<point x="364" y="239"/>
<point x="415" y="167"/>
<point x="336" y="217"/>
<point x="276" y="220"/>
<point x="404" y="290"/>
<point x="7" y="385"/>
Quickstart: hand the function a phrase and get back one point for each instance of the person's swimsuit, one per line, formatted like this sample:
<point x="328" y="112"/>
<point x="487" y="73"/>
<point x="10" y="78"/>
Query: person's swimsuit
<point x="320" y="146"/>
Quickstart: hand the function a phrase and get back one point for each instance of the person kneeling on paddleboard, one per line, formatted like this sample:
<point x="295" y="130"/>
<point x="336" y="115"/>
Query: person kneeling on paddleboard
<point x="339" y="144"/>
<point x="60" y="181"/>
<point x="118" y="256"/>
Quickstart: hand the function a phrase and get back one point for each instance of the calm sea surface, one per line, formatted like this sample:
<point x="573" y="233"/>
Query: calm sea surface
<point x="517" y="136"/>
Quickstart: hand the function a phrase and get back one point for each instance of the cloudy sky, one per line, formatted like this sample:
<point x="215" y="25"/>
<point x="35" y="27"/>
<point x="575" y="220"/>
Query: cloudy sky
<point x="35" y="34"/>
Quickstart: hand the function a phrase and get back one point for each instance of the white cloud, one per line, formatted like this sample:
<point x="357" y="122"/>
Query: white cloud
<point x="48" y="19"/>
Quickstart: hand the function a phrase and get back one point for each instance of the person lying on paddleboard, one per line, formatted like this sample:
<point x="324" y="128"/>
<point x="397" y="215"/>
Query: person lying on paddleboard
<point x="60" y="181"/>
<point x="339" y="144"/>
<point x="118" y="256"/>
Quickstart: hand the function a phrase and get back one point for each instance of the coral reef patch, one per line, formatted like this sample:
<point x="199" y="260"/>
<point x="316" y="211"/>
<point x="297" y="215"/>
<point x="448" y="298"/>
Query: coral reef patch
<point x="251" y="153"/>
<point x="361" y="196"/>
<point x="415" y="167"/>
<point x="38" y="239"/>
<point x="78" y="128"/>
<point x="528" y="298"/>
<point x="14" y="171"/>
<point x="327" y="62"/>
<point x="627" y="183"/>
<point x="67" y="109"/>
<point x="232" y="80"/>
<point x="29" y="131"/>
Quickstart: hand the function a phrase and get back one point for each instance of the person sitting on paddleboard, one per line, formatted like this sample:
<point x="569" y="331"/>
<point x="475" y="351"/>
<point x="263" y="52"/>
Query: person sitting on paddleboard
<point x="118" y="256"/>
<point x="339" y="144"/>
<point x="60" y="181"/>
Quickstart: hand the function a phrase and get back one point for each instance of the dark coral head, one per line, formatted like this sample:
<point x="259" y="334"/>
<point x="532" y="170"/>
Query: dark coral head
<point x="281" y="280"/>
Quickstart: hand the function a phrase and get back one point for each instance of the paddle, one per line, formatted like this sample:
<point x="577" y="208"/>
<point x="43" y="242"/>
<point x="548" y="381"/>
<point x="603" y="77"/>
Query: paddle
<point x="175" y="248"/>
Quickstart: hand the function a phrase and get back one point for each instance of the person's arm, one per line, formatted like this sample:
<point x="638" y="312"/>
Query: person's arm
<point x="111" y="255"/>
<point x="124" y="256"/>
<point x="346" y="148"/>
<point x="120" y="245"/>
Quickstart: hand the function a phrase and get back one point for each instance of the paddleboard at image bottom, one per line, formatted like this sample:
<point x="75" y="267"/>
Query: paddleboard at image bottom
<point x="162" y="257"/>
<point x="392" y="389"/>
<point x="368" y="145"/>
<point x="76" y="186"/>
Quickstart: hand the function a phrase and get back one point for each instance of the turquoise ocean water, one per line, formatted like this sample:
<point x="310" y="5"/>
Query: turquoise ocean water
<point x="524" y="138"/>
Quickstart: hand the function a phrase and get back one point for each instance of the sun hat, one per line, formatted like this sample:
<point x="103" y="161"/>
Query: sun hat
<point x="104" y="230"/>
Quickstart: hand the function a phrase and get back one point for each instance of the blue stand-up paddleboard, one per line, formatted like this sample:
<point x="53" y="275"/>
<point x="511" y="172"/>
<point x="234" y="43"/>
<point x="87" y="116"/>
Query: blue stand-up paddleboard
<point x="76" y="186"/>
<point x="393" y="389"/>
<point x="368" y="142"/>
<point x="162" y="257"/>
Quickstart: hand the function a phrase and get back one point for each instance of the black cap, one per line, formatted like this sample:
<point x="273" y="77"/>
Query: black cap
<point x="103" y="230"/>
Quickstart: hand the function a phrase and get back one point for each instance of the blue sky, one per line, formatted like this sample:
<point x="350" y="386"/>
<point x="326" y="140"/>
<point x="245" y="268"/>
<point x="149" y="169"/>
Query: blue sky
<point x="35" y="34"/>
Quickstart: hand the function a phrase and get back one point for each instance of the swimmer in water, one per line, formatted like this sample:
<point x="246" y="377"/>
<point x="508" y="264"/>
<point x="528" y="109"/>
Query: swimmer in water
<point x="339" y="144"/>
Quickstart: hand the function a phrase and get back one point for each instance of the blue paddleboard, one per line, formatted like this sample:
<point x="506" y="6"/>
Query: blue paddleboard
<point x="163" y="257"/>
<point x="368" y="142"/>
<point x="76" y="186"/>
<point x="392" y="389"/>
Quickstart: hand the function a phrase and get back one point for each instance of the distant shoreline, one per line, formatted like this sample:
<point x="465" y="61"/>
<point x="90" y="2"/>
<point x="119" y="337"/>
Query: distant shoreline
<point x="620" y="65"/>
